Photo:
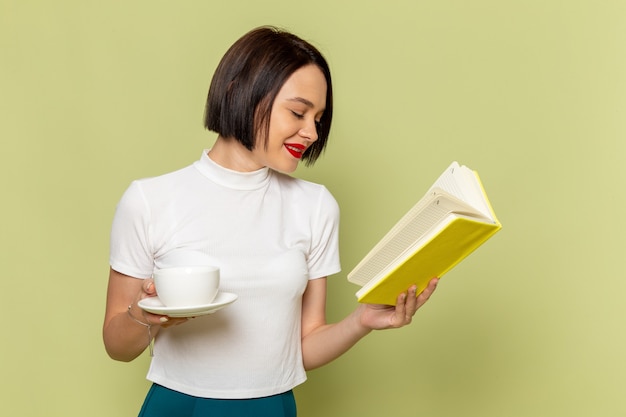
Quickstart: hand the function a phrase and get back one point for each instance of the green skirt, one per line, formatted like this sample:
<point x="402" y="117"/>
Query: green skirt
<point x="164" y="402"/>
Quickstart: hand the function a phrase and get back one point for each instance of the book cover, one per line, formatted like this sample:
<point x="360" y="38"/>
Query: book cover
<point x="452" y="220"/>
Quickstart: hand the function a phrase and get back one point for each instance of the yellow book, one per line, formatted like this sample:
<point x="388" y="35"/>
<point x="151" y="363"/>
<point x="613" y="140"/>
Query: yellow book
<point x="452" y="219"/>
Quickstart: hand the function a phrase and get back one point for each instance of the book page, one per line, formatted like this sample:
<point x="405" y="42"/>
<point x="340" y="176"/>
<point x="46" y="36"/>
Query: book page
<point x="425" y="216"/>
<point x="464" y="184"/>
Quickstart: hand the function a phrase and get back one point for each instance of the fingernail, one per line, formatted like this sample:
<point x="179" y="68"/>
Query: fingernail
<point x="163" y="319"/>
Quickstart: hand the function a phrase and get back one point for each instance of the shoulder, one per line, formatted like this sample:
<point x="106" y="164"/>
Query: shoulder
<point x="173" y="178"/>
<point x="163" y="184"/>
<point x="307" y="190"/>
<point x="143" y="193"/>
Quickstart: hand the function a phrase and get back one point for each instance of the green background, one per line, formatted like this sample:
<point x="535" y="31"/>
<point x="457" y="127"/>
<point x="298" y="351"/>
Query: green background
<point x="532" y="94"/>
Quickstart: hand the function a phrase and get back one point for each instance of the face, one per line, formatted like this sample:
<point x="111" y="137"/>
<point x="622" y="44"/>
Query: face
<point x="297" y="109"/>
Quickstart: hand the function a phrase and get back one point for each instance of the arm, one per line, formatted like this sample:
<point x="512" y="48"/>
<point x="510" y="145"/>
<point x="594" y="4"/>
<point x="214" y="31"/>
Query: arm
<point x="322" y="342"/>
<point x="124" y="338"/>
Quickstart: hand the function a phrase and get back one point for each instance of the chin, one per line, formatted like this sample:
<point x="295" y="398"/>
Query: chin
<point x="286" y="168"/>
<point x="283" y="163"/>
<point x="289" y="170"/>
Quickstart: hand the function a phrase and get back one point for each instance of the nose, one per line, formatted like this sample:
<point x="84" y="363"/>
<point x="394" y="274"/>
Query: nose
<point x="309" y="131"/>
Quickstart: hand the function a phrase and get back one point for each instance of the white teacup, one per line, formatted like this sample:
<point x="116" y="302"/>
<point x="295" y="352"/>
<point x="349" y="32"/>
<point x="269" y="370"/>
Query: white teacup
<point x="187" y="286"/>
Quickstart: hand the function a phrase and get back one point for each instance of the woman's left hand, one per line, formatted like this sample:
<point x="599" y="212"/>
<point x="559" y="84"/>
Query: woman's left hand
<point x="378" y="316"/>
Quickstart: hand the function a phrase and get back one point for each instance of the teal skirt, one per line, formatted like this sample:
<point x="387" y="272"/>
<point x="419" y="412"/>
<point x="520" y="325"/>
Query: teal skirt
<point x="164" y="402"/>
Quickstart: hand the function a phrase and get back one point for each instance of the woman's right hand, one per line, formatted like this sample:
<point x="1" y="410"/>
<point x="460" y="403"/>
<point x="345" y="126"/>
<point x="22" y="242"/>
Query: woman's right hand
<point x="149" y="290"/>
<point x="125" y="331"/>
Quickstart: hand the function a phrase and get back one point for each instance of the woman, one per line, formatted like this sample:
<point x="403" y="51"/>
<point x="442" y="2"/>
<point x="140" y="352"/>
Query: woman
<point x="274" y="237"/>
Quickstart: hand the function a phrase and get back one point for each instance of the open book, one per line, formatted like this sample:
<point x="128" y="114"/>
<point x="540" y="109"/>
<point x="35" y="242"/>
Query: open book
<point x="444" y="227"/>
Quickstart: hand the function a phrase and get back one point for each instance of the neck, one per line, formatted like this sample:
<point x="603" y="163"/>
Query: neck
<point x="231" y="154"/>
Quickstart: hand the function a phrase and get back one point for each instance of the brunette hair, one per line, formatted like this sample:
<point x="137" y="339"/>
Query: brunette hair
<point x="249" y="77"/>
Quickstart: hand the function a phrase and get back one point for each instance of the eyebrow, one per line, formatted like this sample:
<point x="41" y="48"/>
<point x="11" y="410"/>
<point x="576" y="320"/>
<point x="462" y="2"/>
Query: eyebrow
<point x="304" y="101"/>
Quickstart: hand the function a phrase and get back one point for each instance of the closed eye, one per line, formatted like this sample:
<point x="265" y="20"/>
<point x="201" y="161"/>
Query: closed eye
<point x="300" y="116"/>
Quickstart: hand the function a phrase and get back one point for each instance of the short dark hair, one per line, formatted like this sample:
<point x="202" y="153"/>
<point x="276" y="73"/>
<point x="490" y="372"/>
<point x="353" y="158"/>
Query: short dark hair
<point x="249" y="77"/>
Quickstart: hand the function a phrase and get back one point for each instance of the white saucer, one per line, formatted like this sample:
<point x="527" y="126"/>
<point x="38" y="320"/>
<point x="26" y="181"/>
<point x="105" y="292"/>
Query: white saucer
<point x="155" y="306"/>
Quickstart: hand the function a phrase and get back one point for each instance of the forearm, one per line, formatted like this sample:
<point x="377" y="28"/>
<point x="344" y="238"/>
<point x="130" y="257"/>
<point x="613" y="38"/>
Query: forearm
<point x="124" y="338"/>
<point x="330" y="341"/>
<point x="327" y="342"/>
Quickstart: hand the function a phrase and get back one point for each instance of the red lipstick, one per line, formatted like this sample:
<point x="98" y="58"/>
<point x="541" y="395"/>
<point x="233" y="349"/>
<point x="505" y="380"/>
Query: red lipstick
<point x="295" y="149"/>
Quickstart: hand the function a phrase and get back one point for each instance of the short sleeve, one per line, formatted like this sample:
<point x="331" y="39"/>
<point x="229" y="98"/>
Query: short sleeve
<point x="130" y="249"/>
<point x="324" y="259"/>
